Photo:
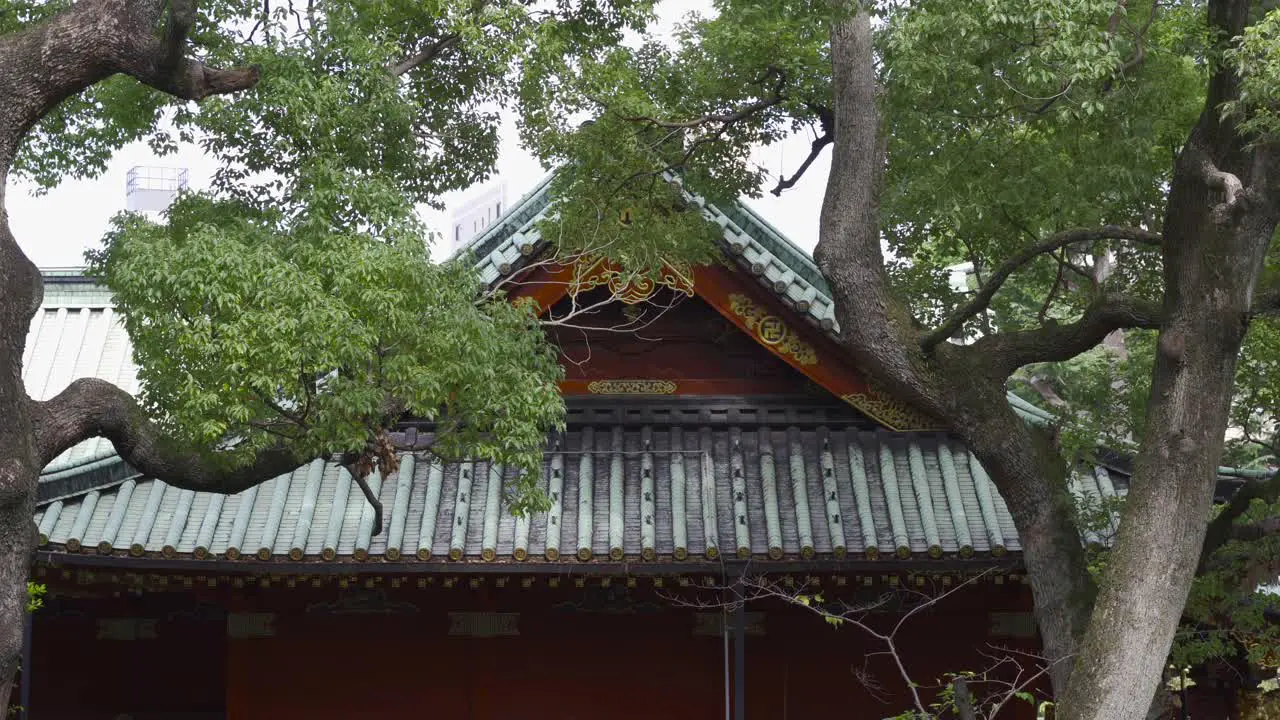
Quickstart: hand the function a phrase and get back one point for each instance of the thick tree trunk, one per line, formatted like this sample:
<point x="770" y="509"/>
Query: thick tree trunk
<point x="1219" y="223"/>
<point x="41" y="66"/>
<point x="1212" y="261"/>
<point x="1029" y="472"/>
<point x="19" y="468"/>
<point x="959" y="386"/>
<point x="1212" y="257"/>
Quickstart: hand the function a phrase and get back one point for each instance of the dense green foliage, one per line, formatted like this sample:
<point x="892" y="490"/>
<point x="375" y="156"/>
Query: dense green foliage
<point x="295" y="301"/>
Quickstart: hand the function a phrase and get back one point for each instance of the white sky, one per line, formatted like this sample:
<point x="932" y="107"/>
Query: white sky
<point x="55" y="229"/>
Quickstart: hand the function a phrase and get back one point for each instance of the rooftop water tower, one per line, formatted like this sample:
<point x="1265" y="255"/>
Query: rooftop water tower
<point x="151" y="189"/>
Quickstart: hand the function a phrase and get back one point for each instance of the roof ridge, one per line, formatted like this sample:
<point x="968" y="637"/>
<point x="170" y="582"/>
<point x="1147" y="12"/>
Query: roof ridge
<point x="785" y="269"/>
<point x="537" y="196"/>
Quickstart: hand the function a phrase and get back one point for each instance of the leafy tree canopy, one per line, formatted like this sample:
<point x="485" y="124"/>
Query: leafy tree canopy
<point x="294" y="302"/>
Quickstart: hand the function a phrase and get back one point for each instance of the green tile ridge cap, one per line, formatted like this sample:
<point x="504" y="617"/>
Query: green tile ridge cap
<point x="707" y="478"/>
<point x="893" y="499"/>
<point x="800" y="491"/>
<point x="178" y="523"/>
<point x="364" y="531"/>
<point x="555" y="488"/>
<point x="307" y="513"/>
<point x="796" y="258"/>
<point x="769" y="486"/>
<point x="679" y="506"/>
<point x="738" y="485"/>
<point x="648" y="497"/>
<point x="586" y="496"/>
<point x="617" y="510"/>
<point x="461" y="511"/>
<point x="492" y="506"/>
<point x="337" y="514"/>
<point x="427" y="527"/>
<point x="986" y="504"/>
<point x="955" y="501"/>
<point x="400" y="507"/>
<point x="531" y="202"/>
<point x="240" y="526"/>
<point x="924" y="496"/>
<point x="831" y="493"/>
<point x="57" y="470"/>
<point x="147" y="524"/>
<point x="861" y="491"/>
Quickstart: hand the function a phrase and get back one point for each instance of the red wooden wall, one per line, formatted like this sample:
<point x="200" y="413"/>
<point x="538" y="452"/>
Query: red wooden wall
<point x="565" y="664"/>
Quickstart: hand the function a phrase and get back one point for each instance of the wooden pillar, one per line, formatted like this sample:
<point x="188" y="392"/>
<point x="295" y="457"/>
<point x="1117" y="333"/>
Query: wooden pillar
<point x="740" y="654"/>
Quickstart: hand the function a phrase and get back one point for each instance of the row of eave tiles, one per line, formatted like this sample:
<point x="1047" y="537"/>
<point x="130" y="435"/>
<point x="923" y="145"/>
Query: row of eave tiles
<point x="632" y="494"/>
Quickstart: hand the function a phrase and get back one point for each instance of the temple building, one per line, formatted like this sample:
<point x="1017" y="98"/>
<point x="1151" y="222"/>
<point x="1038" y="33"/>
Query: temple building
<point x="727" y="439"/>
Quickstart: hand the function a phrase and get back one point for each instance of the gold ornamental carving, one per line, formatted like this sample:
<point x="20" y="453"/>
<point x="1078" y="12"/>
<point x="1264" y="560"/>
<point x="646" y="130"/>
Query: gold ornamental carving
<point x="631" y="387"/>
<point x="772" y="330"/>
<point x="629" y="287"/>
<point x="885" y="408"/>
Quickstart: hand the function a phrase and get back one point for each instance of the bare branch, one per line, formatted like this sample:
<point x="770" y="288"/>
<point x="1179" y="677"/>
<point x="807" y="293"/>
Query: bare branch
<point x="362" y="480"/>
<point x="427" y="54"/>
<point x="95" y="408"/>
<point x="982" y="299"/>
<point x="1266" y="303"/>
<point x="167" y="68"/>
<point x="724" y="119"/>
<point x="828" y="136"/>
<point x="1221" y="527"/>
<point x="1054" y="342"/>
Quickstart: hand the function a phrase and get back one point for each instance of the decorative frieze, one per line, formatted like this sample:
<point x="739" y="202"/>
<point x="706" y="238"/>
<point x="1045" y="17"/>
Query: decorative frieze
<point x="631" y="387"/>
<point x="772" y="330"/>
<point x="630" y="287"/>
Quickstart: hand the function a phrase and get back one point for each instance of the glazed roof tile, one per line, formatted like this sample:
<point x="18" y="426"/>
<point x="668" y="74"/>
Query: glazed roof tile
<point x="617" y="493"/>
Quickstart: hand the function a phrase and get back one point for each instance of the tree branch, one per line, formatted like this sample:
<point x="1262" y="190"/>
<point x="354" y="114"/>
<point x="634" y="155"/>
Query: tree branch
<point x="1055" y="342"/>
<point x="1235" y="195"/>
<point x="427" y="54"/>
<point x="95" y="408"/>
<point x="1221" y="527"/>
<point x="982" y="299"/>
<point x="362" y="481"/>
<point x="828" y="120"/>
<point x="94" y="39"/>
<point x="724" y="119"/>
<point x="1266" y="303"/>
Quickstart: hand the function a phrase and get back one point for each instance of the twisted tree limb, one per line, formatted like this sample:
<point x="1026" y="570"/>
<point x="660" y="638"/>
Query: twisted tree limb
<point x="1053" y="342"/>
<point x="95" y="408"/>
<point x="982" y="299"/>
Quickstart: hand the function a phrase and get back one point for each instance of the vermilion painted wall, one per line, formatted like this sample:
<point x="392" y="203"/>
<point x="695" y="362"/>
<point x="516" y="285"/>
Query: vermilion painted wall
<point x="579" y="654"/>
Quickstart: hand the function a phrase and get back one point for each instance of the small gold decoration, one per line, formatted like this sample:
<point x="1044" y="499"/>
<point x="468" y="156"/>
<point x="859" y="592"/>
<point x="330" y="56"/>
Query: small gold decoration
<point x="629" y="287"/>
<point x="631" y="387"/>
<point x="771" y="330"/>
<point x="876" y="402"/>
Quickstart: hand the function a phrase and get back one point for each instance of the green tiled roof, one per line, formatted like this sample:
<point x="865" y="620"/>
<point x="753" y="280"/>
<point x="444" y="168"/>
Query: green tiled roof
<point x="762" y="251"/>
<point x="75" y="334"/>
<point x="636" y="493"/>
